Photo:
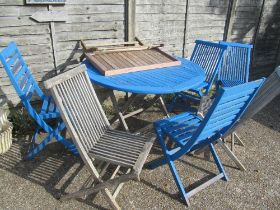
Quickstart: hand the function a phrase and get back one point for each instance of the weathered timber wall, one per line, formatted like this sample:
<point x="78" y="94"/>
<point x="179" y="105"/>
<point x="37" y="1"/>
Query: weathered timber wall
<point x="179" y="23"/>
<point x="96" y="20"/>
<point x="176" y="23"/>
<point x="258" y="22"/>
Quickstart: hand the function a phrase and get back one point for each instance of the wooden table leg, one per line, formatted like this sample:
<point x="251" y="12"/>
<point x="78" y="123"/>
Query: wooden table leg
<point x="164" y="109"/>
<point x="125" y="106"/>
<point x="118" y="111"/>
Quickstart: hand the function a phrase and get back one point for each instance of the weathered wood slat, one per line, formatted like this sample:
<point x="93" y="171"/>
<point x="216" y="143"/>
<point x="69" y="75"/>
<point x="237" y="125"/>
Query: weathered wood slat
<point x="121" y="64"/>
<point x="91" y="132"/>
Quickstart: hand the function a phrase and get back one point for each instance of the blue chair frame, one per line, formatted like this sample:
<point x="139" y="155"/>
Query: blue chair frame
<point x="190" y="132"/>
<point x="207" y="55"/>
<point x="26" y="87"/>
<point x="235" y="66"/>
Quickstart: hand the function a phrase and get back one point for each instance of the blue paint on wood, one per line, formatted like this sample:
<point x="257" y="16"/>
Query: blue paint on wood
<point x="191" y="132"/>
<point x="157" y="81"/>
<point x="26" y="87"/>
<point x="236" y="64"/>
<point x="208" y="55"/>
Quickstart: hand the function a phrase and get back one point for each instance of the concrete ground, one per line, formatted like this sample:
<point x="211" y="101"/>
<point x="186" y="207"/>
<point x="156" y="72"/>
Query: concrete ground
<point x="37" y="184"/>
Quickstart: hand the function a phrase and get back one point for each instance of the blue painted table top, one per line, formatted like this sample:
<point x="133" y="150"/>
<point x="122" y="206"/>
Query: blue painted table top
<point x="157" y="81"/>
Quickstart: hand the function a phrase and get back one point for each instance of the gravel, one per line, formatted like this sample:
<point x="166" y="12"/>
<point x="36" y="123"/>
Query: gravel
<point x="38" y="183"/>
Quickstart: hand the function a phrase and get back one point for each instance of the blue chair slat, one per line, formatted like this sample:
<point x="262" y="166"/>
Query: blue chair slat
<point x="26" y="87"/>
<point x="190" y="132"/>
<point x="207" y="55"/>
<point x="235" y="65"/>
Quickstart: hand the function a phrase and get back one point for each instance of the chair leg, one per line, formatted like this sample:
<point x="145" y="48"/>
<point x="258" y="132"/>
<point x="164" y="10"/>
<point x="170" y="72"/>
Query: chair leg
<point x="172" y="167"/>
<point x="238" y="139"/>
<point x="173" y="102"/>
<point x="39" y="147"/>
<point x="34" y="138"/>
<point x="231" y="155"/>
<point x="178" y="181"/>
<point x="218" y="161"/>
<point x="54" y="134"/>
<point x="112" y="201"/>
<point x="232" y="142"/>
<point x="70" y="146"/>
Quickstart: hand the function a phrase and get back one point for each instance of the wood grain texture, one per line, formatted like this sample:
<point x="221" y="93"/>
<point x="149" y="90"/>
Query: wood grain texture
<point x="112" y="63"/>
<point x="43" y="45"/>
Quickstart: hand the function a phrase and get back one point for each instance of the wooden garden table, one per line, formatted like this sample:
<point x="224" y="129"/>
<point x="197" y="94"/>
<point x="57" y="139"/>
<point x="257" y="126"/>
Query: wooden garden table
<point x="157" y="82"/>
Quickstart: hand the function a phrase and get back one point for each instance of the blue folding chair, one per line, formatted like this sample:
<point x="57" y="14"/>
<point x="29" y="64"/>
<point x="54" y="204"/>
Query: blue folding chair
<point x="27" y="87"/>
<point x="209" y="56"/>
<point x="235" y="65"/>
<point x="235" y="71"/>
<point x="190" y="132"/>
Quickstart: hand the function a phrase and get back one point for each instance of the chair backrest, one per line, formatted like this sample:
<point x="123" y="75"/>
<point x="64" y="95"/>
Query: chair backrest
<point x="79" y="107"/>
<point x="209" y="56"/>
<point x="236" y="62"/>
<point x="226" y="110"/>
<point x="19" y="73"/>
<point x="269" y="90"/>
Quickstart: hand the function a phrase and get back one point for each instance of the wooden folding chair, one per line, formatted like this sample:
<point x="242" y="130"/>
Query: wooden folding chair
<point x="209" y="56"/>
<point x="93" y="136"/>
<point x="26" y="87"/>
<point x="269" y="90"/>
<point x="190" y="132"/>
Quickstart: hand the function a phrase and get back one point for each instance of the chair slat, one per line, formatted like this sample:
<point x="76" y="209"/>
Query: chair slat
<point x="12" y="60"/>
<point x="84" y="111"/>
<point x="9" y="51"/>
<point x="208" y="55"/>
<point x="26" y="87"/>
<point x="236" y="63"/>
<point x="209" y="128"/>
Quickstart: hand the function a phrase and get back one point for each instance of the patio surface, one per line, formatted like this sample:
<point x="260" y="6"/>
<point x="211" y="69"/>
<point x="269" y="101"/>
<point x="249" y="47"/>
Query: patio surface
<point x="36" y="184"/>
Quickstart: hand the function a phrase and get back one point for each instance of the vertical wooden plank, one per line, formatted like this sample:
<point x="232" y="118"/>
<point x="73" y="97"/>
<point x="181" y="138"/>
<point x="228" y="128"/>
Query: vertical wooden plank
<point x="255" y="37"/>
<point x="185" y="28"/>
<point x="278" y="56"/>
<point x="53" y="40"/>
<point x="130" y="9"/>
<point x="229" y="20"/>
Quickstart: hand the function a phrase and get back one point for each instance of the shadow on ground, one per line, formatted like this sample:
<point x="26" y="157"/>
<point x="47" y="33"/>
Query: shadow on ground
<point x="38" y="183"/>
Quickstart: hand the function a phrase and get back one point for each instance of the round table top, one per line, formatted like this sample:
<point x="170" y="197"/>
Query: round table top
<point x="157" y="81"/>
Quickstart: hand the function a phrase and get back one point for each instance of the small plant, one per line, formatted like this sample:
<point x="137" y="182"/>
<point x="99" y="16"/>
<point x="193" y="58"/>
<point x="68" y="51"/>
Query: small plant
<point x="108" y="109"/>
<point x="21" y="120"/>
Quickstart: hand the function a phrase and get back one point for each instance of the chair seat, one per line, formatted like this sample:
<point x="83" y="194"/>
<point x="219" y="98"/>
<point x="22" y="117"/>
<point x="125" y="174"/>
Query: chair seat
<point x="122" y="148"/>
<point x="180" y="128"/>
<point x="231" y="83"/>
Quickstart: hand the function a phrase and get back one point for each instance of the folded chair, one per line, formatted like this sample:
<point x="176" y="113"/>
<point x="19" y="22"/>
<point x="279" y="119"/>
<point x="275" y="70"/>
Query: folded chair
<point x="207" y="55"/>
<point x="92" y="134"/>
<point x="235" y="64"/>
<point x="190" y="132"/>
<point x="269" y="90"/>
<point x="26" y="87"/>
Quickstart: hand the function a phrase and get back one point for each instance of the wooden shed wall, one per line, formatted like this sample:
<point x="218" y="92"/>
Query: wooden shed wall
<point x="94" y="20"/>
<point x="258" y="22"/>
<point x="176" y="23"/>
<point x="179" y="23"/>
